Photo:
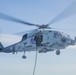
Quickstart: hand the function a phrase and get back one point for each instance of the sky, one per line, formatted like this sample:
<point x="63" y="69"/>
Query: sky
<point x="38" y="12"/>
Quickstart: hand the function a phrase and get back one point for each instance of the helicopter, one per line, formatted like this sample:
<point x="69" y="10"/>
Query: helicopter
<point x="44" y="39"/>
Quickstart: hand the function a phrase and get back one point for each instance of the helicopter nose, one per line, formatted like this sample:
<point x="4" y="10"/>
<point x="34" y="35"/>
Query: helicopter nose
<point x="70" y="42"/>
<point x="67" y="41"/>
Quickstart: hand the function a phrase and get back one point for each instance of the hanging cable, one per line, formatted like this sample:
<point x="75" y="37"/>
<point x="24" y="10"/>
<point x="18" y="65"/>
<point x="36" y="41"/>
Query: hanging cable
<point x="38" y="39"/>
<point x="35" y="62"/>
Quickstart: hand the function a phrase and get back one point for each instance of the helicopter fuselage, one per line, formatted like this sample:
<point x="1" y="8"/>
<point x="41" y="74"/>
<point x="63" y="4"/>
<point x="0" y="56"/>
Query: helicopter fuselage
<point x="50" y="41"/>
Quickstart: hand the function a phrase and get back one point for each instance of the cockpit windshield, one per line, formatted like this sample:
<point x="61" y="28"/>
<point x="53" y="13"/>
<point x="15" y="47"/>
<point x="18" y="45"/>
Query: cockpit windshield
<point x="60" y="34"/>
<point x="63" y="34"/>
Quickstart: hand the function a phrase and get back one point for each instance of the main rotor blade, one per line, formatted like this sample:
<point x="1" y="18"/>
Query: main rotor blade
<point x="10" y="18"/>
<point x="24" y="32"/>
<point x="69" y="11"/>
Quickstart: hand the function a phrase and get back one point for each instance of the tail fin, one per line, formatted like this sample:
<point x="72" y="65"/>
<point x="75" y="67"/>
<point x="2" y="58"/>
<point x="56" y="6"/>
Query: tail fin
<point x="1" y="47"/>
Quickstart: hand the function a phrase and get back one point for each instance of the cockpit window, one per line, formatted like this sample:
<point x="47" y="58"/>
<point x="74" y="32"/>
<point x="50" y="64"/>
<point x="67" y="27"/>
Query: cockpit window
<point x="56" y="35"/>
<point x="24" y="37"/>
<point x="63" y="34"/>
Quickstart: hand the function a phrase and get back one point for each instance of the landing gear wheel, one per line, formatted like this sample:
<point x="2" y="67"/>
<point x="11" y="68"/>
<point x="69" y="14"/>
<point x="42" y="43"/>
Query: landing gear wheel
<point x="24" y="57"/>
<point x="57" y="52"/>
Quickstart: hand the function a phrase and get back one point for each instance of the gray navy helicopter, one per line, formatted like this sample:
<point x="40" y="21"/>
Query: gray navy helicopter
<point x="44" y="38"/>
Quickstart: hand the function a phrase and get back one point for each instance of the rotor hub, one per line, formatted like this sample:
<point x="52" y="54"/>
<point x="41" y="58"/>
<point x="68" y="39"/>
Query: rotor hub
<point x="43" y="26"/>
